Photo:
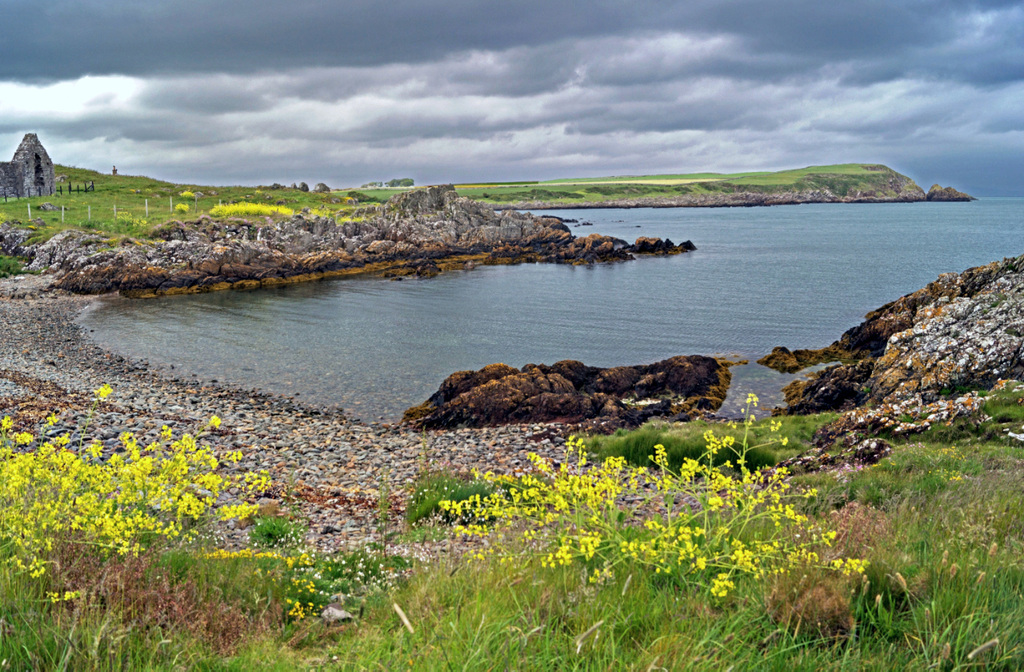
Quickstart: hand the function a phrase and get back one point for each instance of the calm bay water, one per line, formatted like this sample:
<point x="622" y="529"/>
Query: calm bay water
<point x="791" y="275"/>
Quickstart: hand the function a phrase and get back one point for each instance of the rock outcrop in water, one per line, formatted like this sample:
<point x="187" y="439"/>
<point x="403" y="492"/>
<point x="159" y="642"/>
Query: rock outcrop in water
<point x="417" y="233"/>
<point x="571" y="392"/>
<point x="963" y="331"/>
<point x="937" y="193"/>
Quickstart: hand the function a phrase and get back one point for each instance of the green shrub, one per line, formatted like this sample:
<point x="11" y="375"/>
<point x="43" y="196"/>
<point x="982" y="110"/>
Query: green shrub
<point x="276" y="532"/>
<point x="638" y="449"/>
<point x="9" y="266"/>
<point x="433" y="487"/>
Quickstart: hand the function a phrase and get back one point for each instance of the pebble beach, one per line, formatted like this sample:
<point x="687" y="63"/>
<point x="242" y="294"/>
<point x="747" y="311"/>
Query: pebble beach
<point x="326" y="468"/>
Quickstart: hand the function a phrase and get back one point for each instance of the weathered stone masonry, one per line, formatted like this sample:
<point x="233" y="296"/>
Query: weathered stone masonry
<point x="30" y="173"/>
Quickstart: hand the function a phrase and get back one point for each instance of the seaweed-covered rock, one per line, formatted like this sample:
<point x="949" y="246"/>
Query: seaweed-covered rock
<point x="574" y="393"/>
<point x="837" y="388"/>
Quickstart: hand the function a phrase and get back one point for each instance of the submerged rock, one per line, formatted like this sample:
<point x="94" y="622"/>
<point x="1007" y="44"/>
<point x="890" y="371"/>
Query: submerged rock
<point x="573" y="393"/>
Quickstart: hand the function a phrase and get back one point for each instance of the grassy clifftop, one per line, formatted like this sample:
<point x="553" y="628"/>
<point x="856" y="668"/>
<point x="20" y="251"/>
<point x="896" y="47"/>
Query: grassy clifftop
<point x="850" y="181"/>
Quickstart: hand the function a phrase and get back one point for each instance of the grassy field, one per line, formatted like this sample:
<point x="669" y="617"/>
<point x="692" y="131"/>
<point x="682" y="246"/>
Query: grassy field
<point x="126" y="205"/>
<point x="940" y="524"/>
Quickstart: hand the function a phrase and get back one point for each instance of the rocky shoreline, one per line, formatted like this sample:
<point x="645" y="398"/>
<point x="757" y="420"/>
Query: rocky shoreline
<point x="326" y="468"/>
<point x="420" y="233"/>
<point x="964" y="331"/>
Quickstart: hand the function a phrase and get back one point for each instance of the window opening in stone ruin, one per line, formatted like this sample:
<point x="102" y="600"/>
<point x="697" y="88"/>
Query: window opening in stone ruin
<point x="40" y="181"/>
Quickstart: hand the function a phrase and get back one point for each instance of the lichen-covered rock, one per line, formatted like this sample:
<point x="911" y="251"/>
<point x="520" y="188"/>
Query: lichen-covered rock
<point x="968" y="341"/>
<point x="573" y="393"/>
<point x="965" y="330"/>
<point x="908" y="416"/>
<point x="849" y="455"/>
<point x="13" y="240"/>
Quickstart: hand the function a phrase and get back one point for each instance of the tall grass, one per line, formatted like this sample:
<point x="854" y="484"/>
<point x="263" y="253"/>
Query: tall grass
<point x="9" y="266"/>
<point x="687" y="440"/>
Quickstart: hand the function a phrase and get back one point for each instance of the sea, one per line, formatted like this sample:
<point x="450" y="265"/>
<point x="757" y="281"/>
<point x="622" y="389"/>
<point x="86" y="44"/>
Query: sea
<point x="797" y="276"/>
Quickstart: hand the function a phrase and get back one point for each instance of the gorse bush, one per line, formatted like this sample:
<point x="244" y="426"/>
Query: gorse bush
<point x="701" y="523"/>
<point x="50" y="489"/>
<point x="249" y="209"/>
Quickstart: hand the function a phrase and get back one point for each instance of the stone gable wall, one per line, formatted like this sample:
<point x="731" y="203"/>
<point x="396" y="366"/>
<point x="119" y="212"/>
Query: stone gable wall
<point x="30" y="173"/>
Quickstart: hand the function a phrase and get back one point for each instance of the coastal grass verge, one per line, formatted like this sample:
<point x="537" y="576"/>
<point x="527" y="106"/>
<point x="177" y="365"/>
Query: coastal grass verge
<point x="937" y="525"/>
<point x="136" y="206"/>
<point x="793" y="435"/>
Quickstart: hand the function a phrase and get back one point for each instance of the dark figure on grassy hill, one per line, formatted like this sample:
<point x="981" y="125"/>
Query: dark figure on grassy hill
<point x="113" y="171"/>
<point x="29" y="173"/>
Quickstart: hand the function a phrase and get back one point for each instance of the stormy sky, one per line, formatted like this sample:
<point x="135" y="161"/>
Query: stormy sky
<point x="250" y="92"/>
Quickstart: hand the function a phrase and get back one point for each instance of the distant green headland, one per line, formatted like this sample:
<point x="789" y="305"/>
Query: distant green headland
<point x="842" y="183"/>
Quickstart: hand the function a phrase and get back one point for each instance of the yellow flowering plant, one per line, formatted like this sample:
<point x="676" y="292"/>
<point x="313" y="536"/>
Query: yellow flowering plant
<point x="50" y="489"/>
<point x="703" y="523"/>
<point x="249" y="210"/>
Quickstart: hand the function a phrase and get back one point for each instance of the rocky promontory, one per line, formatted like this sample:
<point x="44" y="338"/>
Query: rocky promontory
<point x="570" y="392"/>
<point x="417" y="233"/>
<point x="963" y="331"/>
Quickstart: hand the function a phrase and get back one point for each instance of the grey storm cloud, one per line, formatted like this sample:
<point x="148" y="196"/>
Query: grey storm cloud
<point x="470" y="90"/>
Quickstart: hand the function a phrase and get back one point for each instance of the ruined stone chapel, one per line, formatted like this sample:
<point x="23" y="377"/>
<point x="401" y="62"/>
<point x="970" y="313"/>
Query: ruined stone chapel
<point x="29" y="173"/>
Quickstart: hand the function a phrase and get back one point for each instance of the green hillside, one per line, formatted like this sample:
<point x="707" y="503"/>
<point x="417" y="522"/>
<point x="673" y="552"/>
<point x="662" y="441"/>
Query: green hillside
<point x="841" y="180"/>
<point x="135" y="206"/>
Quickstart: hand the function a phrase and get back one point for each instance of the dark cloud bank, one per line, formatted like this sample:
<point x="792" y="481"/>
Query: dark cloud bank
<point x="236" y="91"/>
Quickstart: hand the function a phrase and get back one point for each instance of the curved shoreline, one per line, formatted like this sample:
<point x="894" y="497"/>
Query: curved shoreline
<point x="331" y="465"/>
